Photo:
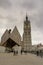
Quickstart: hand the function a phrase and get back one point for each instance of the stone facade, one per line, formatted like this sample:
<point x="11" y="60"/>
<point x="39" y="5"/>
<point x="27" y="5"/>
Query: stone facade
<point x="11" y="37"/>
<point x="4" y="37"/>
<point x="16" y="38"/>
<point x="27" y="36"/>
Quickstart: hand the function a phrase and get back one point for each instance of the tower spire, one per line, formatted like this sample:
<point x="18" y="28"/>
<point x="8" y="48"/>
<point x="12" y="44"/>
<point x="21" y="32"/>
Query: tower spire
<point x="26" y="17"/>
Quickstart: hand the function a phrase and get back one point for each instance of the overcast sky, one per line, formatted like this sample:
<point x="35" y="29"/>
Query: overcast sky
<point x="13" y="12"/>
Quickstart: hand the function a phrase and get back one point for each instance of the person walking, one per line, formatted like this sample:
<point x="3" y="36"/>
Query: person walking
<point x="37" y="53"/>
<point x="41" y="53"/>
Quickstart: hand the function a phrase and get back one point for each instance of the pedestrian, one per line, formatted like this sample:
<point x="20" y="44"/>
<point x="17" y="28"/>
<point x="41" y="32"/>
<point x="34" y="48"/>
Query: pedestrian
<point x="37" y="53"/>
<point x="21" y="52"/>
<point x="41" y="53"/>
<point x="14" y="52"/>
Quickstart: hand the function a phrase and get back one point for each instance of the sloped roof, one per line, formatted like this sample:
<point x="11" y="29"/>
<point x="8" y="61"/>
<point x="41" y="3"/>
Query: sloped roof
<point x="9" y="43"/>
<point x="15" y="30"/>
<point x="15" y="35"/>
<point x="5" y="36"/>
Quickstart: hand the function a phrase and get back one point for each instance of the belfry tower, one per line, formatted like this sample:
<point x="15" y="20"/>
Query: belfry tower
<point x="27" y="35"/>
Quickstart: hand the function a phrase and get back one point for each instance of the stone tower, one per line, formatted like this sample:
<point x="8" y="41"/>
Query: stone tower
<point x="27" y="36"/>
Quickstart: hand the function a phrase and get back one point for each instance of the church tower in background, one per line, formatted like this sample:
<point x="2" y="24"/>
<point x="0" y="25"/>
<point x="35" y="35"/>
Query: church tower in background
<point x="27" y="36"/>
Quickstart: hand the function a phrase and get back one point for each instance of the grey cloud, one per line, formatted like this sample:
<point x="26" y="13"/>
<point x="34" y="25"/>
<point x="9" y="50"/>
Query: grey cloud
<point x="39" y="23"/>
<point x="9" y="18"/>
<point x="5" y="3"/>
<point x="2" y="17"/>
<point x="29" y="4"/>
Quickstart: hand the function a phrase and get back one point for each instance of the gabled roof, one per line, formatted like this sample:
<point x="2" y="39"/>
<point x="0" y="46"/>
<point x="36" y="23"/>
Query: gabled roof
<point x="5" y="36"/>
<point x="9" y="43"/>
<point x="15" y="30"/>
<point x="15" y="35"/>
